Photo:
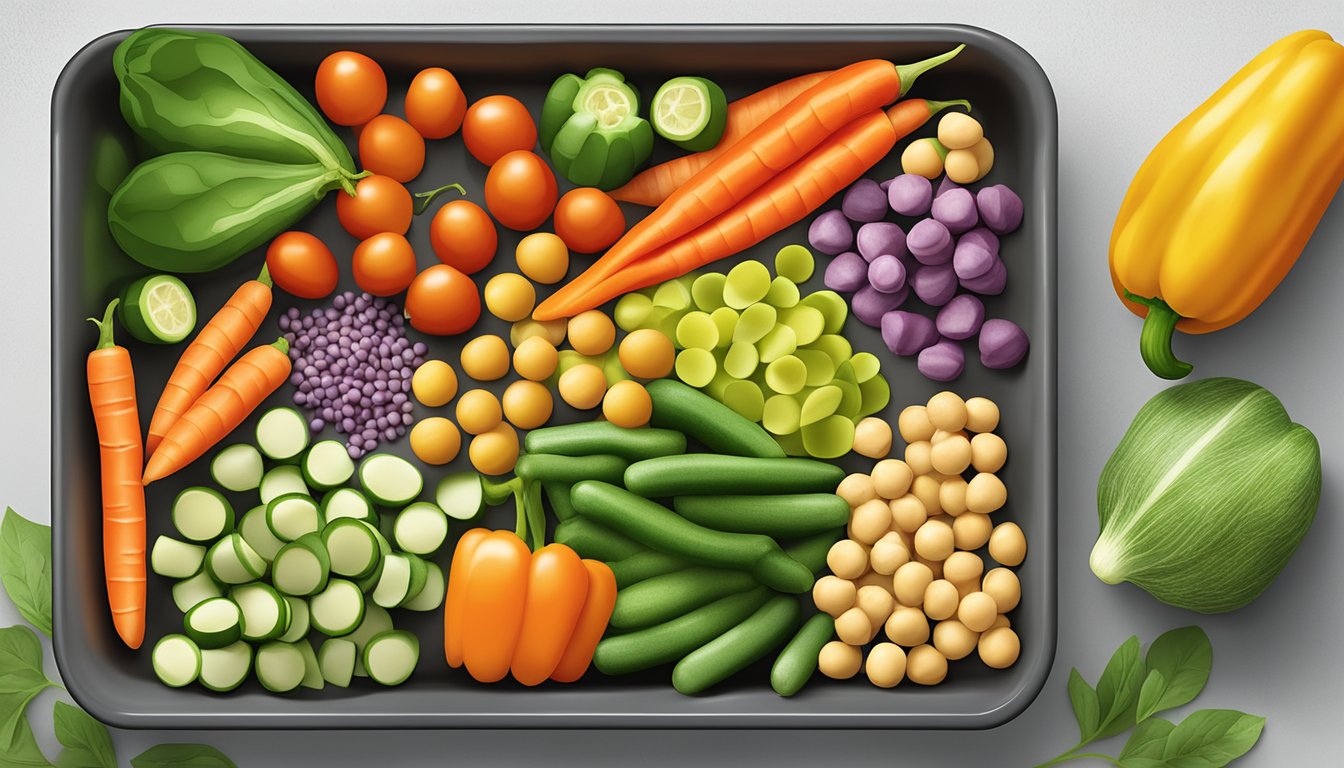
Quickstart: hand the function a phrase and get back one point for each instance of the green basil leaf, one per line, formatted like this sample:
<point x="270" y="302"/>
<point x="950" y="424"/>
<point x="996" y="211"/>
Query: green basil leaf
<point x="1212" y="737"/>
<point x="23" y="751"/>
<point x="86" y="742"/>
<point x="182" y="756"/>
<point x="1148" y="740"/>
<point x="1183" y="658"/>
<point x="25" y="568"/>
<point x="21" y="678"/>
<point x="1085" y="708"/>
<point x="1118" y="689"/>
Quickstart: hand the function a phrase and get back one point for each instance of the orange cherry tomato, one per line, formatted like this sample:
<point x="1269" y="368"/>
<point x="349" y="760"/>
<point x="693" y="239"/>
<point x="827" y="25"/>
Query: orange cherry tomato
<point x="520" y="190"/>
<point x="380" y="204"/>
<point x="442" y="301"/>
<point x="351" y="88"/>
<point x="497" y="125"/>
<point x="435" y="103"/>
<point x="588" y="220"/>
<point x="463" y="236"/>
<point x="389" y="146"/>
<point x="302" y="265"/>
<point x="384" y="264"/>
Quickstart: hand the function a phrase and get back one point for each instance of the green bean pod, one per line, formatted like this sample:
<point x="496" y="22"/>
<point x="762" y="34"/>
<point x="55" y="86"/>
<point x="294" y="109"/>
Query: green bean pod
<point x="707" y="474"/>
<point x="709" y="422"/>
<point x="593" y="540"/>
<point x="736" y="649"/>
<point x="658" y="527"/>
<point x="644" y="565"/>
<point x="602" y="437"/>
<point x="568" y="470"/>
<point x="783" y="516"/>
<point x="666" y="596"/>
<point x="558" y="495"/>
<point x="796" y="664"/>
<point x="671" y="640"/>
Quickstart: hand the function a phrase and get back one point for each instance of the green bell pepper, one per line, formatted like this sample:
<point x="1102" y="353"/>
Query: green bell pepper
<point x="591" y="129"/>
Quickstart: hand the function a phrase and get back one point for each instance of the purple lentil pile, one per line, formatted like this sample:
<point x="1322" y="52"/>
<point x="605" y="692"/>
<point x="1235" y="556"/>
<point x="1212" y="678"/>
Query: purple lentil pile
<point x="353" y="367"/>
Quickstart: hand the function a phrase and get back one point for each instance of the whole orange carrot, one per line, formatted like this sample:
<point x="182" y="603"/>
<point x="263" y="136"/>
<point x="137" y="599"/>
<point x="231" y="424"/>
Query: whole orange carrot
<point x="221" y="409"/>
<point x="112" y="395"/>
<point x="778" y="143"/>
<point x="209" y="353"/>
<point x="591" y="625"/>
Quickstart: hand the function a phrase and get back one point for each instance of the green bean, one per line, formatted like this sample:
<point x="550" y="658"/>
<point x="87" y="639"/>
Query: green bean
<point x="593" y="540"/>
<point x="812" y="551"/>
<point x="736" y="649"/>
<point x="783" y="516"/>
<point x="671" y="640"/>
<point x="669" y="595"/>
<point x="602" y="437"/>
<point x="568" y="470"/>
<point x="796" y="664"/>
<point x="558" y="496"/>
<point x="701" y="417"/>
<point x="700" y="474"/>
<point x="642" y="565"/>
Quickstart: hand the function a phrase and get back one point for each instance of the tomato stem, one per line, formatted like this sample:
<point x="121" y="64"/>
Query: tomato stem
<point x="1155" y="339"/>
<point x="423" y="199"/>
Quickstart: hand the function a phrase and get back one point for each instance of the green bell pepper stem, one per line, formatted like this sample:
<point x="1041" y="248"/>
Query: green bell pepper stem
<point x="527" y="522"/>
<point x="282" y="345"/>
<point x="1155" y="340"/>
<point x="264" y="277"/>
<point x="536" y="515"/>
<point x="106" y="326"/>
<point x="909" y="73"/>
<point x="423" y="199"/>
<point x="347" y="180"/>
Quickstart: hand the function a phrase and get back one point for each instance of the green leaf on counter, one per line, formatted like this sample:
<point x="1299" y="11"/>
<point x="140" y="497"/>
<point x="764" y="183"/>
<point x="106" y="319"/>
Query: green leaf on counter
<point x="23" y="751"/>
<point x="1147" y="741"/>
<point x="86" y="742"/>
<point x="25" y="567"/>
<point x="1086" y="710"/>
<point x="21" y="678"/>
<point x="182" y="756"/>
<point x="1212" y="737"/>
<point x="1178" y="664"/>
<point x="1118" y="689"/>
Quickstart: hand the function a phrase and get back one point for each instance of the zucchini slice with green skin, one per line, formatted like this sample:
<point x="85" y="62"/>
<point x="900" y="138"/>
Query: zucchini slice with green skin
<point x="337" y="610"/>
<point x="389" y="480"/>
<point x="390" y="657"/>
<point x="293" y="515"/>
<point x="298" y="620"/>
<point x="265" y="612"/>
<point x="352" y="547"/>
<point x="158" y="309"/>
<point x="189" y="593"/>
<point x="176" y="559"/>
<point x="282" y="481"/>
<point x="214" y="623"/>
<point x="312" y="672"/>
<point x="367" y="582"/>
<point x="280" y="666"/>
<point x="301" y="567"/>
<point x="238" y="468"/>
<point x="336" y="660"/>
<point x="347" y="502"/>
<point x="327" y="465"/>
<point x="202" y="514"/>
<point x="232" y="561"/>
<point x="431" y="595"/>
<point x="703" y="118"/>
<point x="420" y="528"/>
<point x="224" y="669"/>
<point x="403" y="577"/>
<point x="176" y="661"/>
<point x="282" y="434"/>
<point x="376" y="621"/>
<point x="257" y="533"/>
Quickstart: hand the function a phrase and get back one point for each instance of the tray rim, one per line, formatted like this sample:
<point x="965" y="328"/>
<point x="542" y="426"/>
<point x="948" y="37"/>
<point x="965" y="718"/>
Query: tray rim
<point x="1045" y="344"/>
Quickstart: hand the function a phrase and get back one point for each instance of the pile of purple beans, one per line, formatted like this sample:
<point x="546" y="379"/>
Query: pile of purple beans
<point x="948" y="259"/>
<point x="353" y="367"/>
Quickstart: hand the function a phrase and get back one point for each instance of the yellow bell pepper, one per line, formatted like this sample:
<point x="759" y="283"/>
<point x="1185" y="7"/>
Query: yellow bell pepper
<point x="1220" y="210"/>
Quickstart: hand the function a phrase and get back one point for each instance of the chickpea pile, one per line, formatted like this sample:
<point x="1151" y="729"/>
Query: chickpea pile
<point x="909" y="567"/>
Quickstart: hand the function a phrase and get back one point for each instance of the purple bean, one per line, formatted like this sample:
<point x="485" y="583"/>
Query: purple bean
<point x="870" y="305"/>
<point x="943" y="361"/>
<point x="961" y="317"/>
<point x="946" y="185"/>
<point x="316" y="425"/>
<point x="348" y="424"/>
<point x="398" y="398"/>
<point x="830" y="233"/>
<point x="846" y="272"/>
<point x="991" y="283"/>
<point x="406" y="407"/>
<point x="1003" y="344"/>
<point x="956" y="209"/>
<point x="930" y="242"/>
<point x="1000" y="208"/>
<point x="885" y="185"/>
<point x="292" y="313"/>
<point x="886" y="274"/>
<point x="910" y="195"/>
<point x="907" y="333"/>
<point x="864" y="201"/>
<point x="880" y="238"/>
<point x="935" y="285"/>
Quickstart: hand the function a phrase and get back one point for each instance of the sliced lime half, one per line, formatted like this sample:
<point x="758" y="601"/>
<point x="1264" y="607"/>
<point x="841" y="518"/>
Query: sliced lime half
<point x="691" y="112"/>
<point x="158" y="309"/>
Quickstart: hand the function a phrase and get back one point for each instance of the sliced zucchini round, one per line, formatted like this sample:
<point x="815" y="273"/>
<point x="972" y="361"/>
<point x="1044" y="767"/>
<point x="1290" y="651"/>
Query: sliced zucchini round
<point x="237" y="468"/>
<point x="312" y="672"/>
<point x="280" y="666"/>
<point x="282" y="433"/>
<point x="352" y="547"/>
<point x="224" y="669"/>
<point x="403" y="577"/>
<point x="420" y="528"/>
<point x="280" y="481"/>
<point x="265" y="612"/>
<point x="370" y="580"/>
<point x="293" y="515"/>
<point x="376" y="621"/>
<point x="347" y="502"/>
<point x="189" y="593"/>
<point x="214" y="623"/>
<point x="176" y="661"/>
<point x="254" y="530"/>
<point x="298" y="620"/>
<point x="336" y="659"/>
<point x="461" y="495"/>
<point x="431" y="595"/>
<point x="176" y="559"/>
<point x="202" y="514"/>
<point x="327" y="465"/>
<point x="232" y="561"/>
<point x="301" y="567"/>
<point x="390" y="480"/>
<point x="390" y="657"/>
<point x="338" y="609"/>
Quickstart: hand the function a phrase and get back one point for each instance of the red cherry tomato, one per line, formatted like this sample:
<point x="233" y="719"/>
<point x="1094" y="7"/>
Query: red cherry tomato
<point x="435" y="103"/>
<point x="380" y="204"/>
<point x="588" y="220"/>
<point x="351" y="88"/>
<point x="442" y="301"/>
<point x="389" y="146"/>
<point x="302" y="265"/>
<point x="463" y="236"/>
<point x="520" y="190"/>
<point x="497" y="125"/>
<point x="384" y="264"/>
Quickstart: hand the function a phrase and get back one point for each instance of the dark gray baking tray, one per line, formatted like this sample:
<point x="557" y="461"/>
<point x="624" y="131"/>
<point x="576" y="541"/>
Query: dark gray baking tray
<point x="92" y="150"/>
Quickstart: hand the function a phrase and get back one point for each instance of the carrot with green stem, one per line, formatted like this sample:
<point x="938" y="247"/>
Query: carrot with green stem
<point x="112" y="395"/>
<point x="221" y="408"/>
<point x="775" y="145"/>
<point x="209" y="354"/>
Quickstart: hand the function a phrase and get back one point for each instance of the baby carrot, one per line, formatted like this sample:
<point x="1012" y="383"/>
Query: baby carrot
<point x="221" y="408"/>
<point x="112" y="395"/>
<point x="592" y="623"/>
<point x="557" y="589"/>
<point x="207" y="355"/>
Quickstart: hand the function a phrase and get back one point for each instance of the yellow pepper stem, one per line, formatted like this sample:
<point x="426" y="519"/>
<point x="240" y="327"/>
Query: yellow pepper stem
<point x="1155" y="340"/>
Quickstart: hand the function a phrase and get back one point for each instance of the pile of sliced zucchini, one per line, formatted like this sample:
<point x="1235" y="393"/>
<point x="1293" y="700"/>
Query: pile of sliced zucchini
<point x="316" y="562"/>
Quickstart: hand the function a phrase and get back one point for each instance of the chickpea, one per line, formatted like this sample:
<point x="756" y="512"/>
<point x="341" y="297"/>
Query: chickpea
<point x="963" y="568"/>
<point x="839" y="661"/>
<point x="871" y="579"/>
<point x="892" y="478"/>
<point x="939" y="435"/>
<point x="924" y="665"/>
<point x="485" y="358"/>
<point x="988" y="452"/>
<point x="914" y="424"/>
<point x="924" y="157"/>
<point x="927" y="490"/>
<point x="951" y="456"/>
<point x="833" y="595"/>
<point x="535" y="358"/>
<point x="910" y="581"/>
<point x="999" y="648"/>
<point x="958" y="130"/>
<point x="961" y="166"/>
<point x="965" y="588"/>
<point x="478" y="411"/>
<point x="918" y="456"/>
<point x="977" y="611"/>
<point x="856" y="488"/>
<point x="853" y="627"/>
<point x="847" y="559"/>
<point x="934" y="540"/>
<point x="954" y="639"/>
<point x="876" y="602"/>
<point x="591" y="332"/>
<point x="1004" y="587"/>
<point x="999" y="621"/>
<point x="886" y="665"/>
<point x="583" y="386"/>
<point x="908" y="513"/>
<point x="872" y="438"/>
<point x="907" y="626"/>
<point x="947" y="411"/>
<point x="1007" y="545"/>
<point x="952" y="496"/>
<point x="888" y="554"/>
<point x="935" y="566"/>
<point x="982" y="415"/>
<point x="984" y="157"/>
<point x="971" y="531"/>
<point x="985" y="493"/>
<point x="940" y="599"/>
<point x="870" y="521"/>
